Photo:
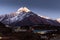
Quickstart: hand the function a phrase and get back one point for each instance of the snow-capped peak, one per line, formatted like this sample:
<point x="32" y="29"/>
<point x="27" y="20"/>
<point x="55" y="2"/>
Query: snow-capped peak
<point x="22" y="9"/>
<point x="58" y="20"/>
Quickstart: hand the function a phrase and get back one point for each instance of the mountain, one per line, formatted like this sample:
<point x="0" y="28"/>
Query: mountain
<point x="25" y="17"/>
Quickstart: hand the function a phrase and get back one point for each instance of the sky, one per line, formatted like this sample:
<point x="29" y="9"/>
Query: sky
<point x="50" y="8"/>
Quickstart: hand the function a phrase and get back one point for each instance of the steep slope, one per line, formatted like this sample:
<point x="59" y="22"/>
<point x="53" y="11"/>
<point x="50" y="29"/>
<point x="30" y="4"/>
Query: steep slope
<point x="28" y="19"/>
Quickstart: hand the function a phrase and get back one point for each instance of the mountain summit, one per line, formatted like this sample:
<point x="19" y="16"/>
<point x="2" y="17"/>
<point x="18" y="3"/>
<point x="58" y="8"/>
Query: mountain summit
<point x="22" y="9"/>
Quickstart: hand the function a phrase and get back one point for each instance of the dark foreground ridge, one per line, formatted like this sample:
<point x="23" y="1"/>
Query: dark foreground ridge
<point x="40" y="32"/>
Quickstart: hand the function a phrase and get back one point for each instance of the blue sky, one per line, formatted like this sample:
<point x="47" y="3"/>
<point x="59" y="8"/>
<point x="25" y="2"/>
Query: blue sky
<point x="50" y="8"/>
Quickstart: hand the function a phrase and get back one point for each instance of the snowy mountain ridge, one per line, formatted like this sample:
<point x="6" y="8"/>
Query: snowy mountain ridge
<point x="24" y="16"/>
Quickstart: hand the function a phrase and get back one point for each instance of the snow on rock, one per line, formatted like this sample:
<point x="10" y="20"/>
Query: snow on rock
<point x="58" y="20"/>
<point x="45" y="17"/>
